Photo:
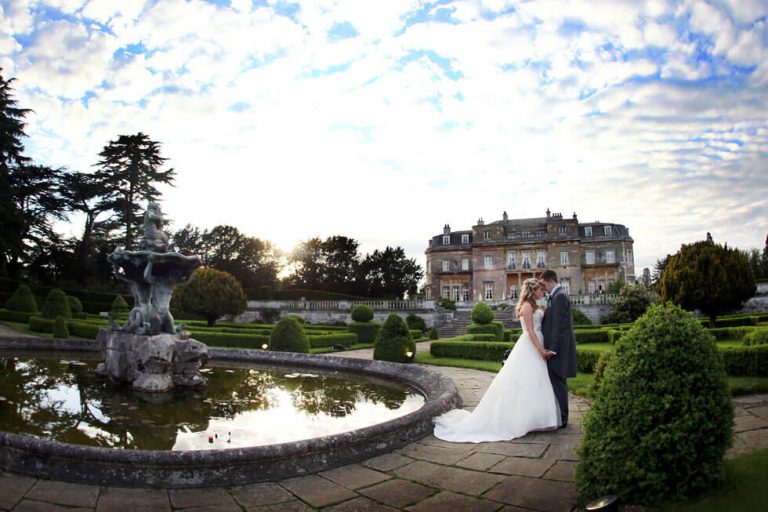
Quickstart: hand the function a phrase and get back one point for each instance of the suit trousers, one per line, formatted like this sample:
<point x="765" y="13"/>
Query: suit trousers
<point x="560" y="386"/>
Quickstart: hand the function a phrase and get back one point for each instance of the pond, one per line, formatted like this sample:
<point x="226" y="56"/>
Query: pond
<point x="59" y="397"/>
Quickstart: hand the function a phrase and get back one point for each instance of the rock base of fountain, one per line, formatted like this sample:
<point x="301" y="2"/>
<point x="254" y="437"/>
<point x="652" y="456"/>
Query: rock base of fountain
<point x="154" y="364"/>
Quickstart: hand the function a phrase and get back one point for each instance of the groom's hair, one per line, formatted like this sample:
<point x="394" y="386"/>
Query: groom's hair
<point x="548" y="275"/>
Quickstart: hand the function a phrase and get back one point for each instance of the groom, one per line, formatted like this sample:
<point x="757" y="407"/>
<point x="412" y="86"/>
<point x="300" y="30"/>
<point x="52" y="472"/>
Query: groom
<point x="557" y="328"/>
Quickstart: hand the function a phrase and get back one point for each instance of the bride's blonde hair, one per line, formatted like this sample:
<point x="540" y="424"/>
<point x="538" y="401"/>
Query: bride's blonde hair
<point x="526" y="295"/>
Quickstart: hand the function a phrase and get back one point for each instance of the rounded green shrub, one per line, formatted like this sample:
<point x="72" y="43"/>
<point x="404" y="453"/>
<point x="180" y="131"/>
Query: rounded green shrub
<point x="362" y="313"/>
<point x="756" y="337"/>
<point x="22" y="300"/>
<point x="56" y="304"/>
<point x="580" y="318"/>
<point x="482" y="314"/>
<point x="433" y="335"/>
<point x="119" y="308"/>
<point x="494" y="328"/>
<point x="75" y="306"/>
<point x="288" y="336"/>
<point x="366" y="331"/>
<point x="599" y="373"/>
<point x="415" y="322"/>
<point x="660" y="424"/>
<point x="60" y="329"/>
<point x="394" y="341"/>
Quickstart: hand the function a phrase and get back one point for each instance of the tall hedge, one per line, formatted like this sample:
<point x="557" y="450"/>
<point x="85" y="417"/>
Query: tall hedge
<point x="394" y="341"/>
<point x="288" y="336"/>
<point x="662" y="420"/>
<point x="22" y="300"/>
<point x="56" y="304"/>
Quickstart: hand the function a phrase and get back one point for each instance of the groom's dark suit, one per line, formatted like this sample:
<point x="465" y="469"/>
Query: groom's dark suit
<point x="557" y="329"/>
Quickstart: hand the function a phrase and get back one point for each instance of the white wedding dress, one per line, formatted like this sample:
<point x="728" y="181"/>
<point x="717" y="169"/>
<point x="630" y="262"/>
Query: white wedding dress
<point x="519" y="400"/>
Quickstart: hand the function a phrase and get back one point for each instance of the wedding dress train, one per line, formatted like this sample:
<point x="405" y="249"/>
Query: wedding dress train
<point x="519" y="400"/>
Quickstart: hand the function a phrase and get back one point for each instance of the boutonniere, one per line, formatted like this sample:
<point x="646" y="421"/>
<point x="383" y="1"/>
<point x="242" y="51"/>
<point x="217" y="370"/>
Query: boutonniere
<point x="549" y="300"/>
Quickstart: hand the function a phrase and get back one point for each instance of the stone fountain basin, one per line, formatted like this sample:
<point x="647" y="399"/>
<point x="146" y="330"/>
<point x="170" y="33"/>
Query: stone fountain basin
<point x="41" y="458"/>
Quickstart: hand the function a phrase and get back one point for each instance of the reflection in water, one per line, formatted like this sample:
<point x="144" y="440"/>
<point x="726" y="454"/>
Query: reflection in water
<point x="244" y="405"/>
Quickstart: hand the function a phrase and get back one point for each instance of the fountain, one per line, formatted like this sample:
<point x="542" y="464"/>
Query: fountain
<point x="149" y="352"/>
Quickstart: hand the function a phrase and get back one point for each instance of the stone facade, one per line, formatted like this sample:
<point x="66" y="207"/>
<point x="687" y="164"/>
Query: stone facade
<point x="490" y="261"/>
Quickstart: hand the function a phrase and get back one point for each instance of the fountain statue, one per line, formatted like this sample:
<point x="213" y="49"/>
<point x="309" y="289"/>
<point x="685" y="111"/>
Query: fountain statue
<point x="149" y="351"/>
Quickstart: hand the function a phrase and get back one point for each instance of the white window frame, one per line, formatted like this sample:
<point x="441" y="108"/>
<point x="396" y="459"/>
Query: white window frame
<point x="590" y="257"/>
<point x="588" y="231"/>
<point x="610" y="257"/>
<point x="446" y="239"/>
<point x="465" y="264"/>
<point x="455" y="292"/>
<point x="511" y="260"/>
<point x="591" y="287"/>
<point x="486" y="235"/>
<point x="465" y="293"/>
<point x="564" y="258"/>
<point x="526" y="234"/>
<point x="487" y="261"/>
<point x="608" y="230"/>
<point x="541" y="259"/>
<point x="526" y="260"/>
<point x="561" y="230"/>
<point x="465" y="238"/>
<point x="566" y="284"/>
<point x="446" y="265"/>
<point x="429" y="267"/>
<point x="514" y="291"/>
<point x="488" y="287"/>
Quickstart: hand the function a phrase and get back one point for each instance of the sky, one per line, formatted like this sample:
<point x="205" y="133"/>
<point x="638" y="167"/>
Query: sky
<point x="385" y="120"/>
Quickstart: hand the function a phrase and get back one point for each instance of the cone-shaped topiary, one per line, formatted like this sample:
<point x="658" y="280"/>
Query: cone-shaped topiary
<point x="362" y="313"/>
<point x="60" y="328"/>
<point x="75" y="305"/>
<point x="119" y="308"/>
<point x="394" y="341"/>
<point x="482" y="313"/>
<point x="662" y="419"/>
<point x="56" y="304"/>
<point x="288" y="336"/>
<point x="22" y="300"/>
<point x="433" y="334"/>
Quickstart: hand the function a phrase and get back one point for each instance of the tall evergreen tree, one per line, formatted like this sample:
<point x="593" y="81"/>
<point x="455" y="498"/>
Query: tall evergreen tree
<point x="11" y="154"/>
<point x="129" y="168"/>
<point x="765" y="258"/>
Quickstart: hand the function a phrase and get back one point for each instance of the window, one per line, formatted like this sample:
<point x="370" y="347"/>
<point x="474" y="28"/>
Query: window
<point x="563" y="258"/>
<point x="608" y="230"/>
<point x="513" y="292"/>
<point x="465" y="239"/>
<point x="486" y="235"/>
<point x="488" y="290"/>
<point x="429" y="267"/>
<point x="446" y="239"/>
<point x="610" y="257"/>
<point x="465" y="293"/>
<point x="455" y="294"/>
<point x="588" y="231"/>
<point x="540" y="259"/>
<point x="446" y="291"/>
<point x="465" y="264"/>
<point x="561" y="230"/>
<point x="429" y="292"/>
<point x="446" y="265"/>
<point x="526" y="259"/>
<point x="487" y="261"/>
<point x="526" y="234"/>
<point x="511" y="257"/>
<point x="592" y="287"/>
<point x="590" y="257"/>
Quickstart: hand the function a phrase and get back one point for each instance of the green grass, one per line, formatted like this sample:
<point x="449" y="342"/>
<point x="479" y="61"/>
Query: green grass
<point x="602" y="347"/>
<point x="746" y="478"/>
<point x="24" y="329"/>
<point x="425" y="357"/>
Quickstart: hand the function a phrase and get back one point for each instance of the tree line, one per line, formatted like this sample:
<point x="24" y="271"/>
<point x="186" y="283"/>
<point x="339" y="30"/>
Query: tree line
<point x="111" y="199"/>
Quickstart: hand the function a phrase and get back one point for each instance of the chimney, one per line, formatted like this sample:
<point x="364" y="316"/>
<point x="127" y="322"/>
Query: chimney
<point x="480" y="222"/>
<point x="446" y="229"/>
<point x="505" y="216"/>
<point x="548" y="212"/>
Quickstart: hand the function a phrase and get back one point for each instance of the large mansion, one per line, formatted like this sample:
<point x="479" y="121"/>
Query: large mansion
<point x="490" y="261"/>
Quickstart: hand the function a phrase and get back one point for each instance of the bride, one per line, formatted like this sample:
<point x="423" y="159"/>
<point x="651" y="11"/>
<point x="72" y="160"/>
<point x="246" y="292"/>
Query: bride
<point x="520" y="398"/>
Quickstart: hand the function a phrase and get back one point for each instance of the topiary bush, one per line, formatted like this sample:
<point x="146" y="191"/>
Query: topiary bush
<point x="433" y="334"/>
<point x="75" y="306"/>
<point x="415" y="322"/>
<point x="580" y="318"/>
<point x="362" y="313"/>
<point x="60" y="329"/>
<point x="482" y="313"/>
<point x="599" y="373"/>
<point x="119" y="308"/>
<point x="476" y="350"/>
<point x="56" y="304"/>
<point x="22" y="300"/>
<point x="494" y="328"/>
<point x="756" y="337"/>
<point x="663" y="418"/>
<point x="288" y="336"/>
<point x="394" y="341"/>
<point x="366" y="331"/>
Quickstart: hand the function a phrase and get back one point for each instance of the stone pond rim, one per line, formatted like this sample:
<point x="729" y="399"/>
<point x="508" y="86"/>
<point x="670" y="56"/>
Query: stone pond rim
<point x="28" y="455"/>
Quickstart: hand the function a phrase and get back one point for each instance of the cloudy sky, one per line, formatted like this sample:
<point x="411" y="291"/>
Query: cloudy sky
<point x="383" y="120"/>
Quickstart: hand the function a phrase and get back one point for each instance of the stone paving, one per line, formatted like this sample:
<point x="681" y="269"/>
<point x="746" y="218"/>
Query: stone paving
<point x="534" y="473"/>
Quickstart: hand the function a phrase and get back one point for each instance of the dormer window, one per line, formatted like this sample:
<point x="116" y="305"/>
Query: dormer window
<point x="588" y="231"/>
<point x="526" y="234"/>
<point x="562" y="230"/>
<point x="608" y="230"/>
<point x="465" y="239"/>
<point x="486" y="235"/>
<point x="446" y="239"/>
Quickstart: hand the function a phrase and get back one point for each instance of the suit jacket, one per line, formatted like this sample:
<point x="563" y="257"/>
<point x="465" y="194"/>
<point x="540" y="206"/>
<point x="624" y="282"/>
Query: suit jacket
<point x="557" y="329"/>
